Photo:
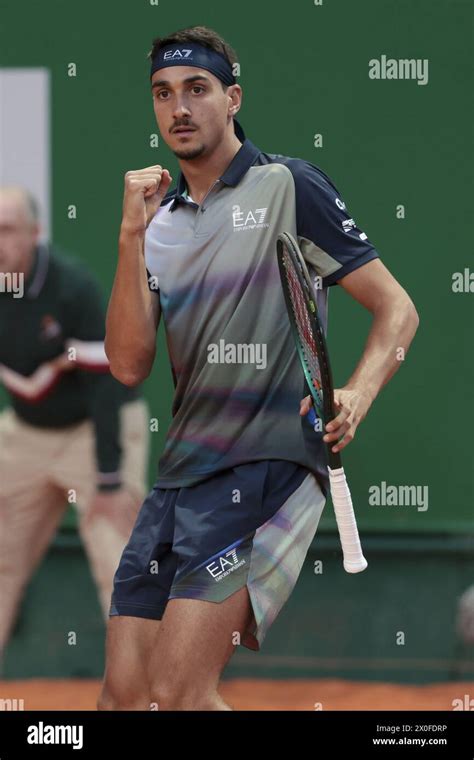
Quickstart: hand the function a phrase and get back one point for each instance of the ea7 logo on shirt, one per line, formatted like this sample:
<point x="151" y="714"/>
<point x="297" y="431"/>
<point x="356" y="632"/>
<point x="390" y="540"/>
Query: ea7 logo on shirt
<point x="184" y="53"/>
<point x="252" y="219"/>
<point x="349" y="224"/>
<point x="221" y="567"/>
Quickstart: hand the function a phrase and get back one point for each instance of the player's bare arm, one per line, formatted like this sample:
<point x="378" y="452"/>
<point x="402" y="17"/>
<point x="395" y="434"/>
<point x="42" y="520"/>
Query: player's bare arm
<point x="394" y="324"/>
<point x="133" y="313"/>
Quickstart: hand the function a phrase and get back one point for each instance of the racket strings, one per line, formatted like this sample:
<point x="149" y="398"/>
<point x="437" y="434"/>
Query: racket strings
<point x="303" y="325"/>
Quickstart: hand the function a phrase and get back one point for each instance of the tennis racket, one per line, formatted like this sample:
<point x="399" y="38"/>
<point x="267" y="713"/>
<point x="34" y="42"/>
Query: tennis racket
<point x="308" y="334"/>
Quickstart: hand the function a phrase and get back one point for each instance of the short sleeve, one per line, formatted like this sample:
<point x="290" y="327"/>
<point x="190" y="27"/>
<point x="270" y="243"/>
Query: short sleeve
<point x="329" y="237"/>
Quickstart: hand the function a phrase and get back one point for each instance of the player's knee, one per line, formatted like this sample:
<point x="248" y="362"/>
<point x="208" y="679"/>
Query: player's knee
<point x="112" y="698"/>
<point x="181" y="696"/>
<point x="170" y="696"/>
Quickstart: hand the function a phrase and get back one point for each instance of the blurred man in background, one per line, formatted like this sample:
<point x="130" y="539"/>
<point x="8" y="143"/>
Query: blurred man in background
<point x="72" y="433"/>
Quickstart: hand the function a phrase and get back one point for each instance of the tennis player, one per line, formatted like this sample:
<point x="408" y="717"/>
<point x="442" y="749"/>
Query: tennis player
<point x="220" y="541"/>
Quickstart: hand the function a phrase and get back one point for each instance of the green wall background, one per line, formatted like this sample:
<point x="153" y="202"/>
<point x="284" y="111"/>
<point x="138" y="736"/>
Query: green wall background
<point x="304" y="70"/>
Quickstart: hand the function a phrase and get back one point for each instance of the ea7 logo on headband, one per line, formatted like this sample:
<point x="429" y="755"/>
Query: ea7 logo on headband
<point x="177" y="54"/>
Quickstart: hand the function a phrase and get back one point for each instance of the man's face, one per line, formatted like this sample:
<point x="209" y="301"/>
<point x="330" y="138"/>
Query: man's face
<point x="18" y="233"/>
<point x="186" y="96"/>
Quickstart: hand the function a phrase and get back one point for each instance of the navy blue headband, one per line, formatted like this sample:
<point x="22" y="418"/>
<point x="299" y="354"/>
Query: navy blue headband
<point x="194" y="54"/>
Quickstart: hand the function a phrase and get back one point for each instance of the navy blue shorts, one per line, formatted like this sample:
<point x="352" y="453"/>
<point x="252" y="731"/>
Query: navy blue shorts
<point x="248" y="525"/>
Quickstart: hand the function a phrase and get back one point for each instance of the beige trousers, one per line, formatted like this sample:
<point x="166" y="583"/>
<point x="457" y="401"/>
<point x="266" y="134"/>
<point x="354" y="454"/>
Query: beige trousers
<point x="40" y="470"/>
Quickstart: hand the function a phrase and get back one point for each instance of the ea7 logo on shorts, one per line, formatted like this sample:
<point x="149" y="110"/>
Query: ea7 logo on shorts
<point x="184" y="53"/>
<point x="221" y="567"/>
<point x="248" y="220"/>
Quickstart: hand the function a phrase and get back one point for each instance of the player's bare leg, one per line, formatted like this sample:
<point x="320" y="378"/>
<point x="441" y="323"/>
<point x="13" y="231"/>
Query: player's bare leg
<point x="196" y="640"/>
<point x="128" y="649"/>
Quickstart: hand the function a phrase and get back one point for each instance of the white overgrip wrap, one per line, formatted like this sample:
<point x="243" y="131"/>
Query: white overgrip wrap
<point x="354" y="560"/>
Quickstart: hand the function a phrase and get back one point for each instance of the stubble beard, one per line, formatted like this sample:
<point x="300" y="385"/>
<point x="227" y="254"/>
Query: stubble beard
<point x="187" y="154"/>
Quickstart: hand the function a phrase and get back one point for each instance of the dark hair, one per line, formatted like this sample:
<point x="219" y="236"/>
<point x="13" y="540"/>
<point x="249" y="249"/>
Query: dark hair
<point x="202" y="34"/>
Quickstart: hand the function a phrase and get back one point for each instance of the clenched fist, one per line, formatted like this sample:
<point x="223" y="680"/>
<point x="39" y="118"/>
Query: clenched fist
<point x="144" y="191"/>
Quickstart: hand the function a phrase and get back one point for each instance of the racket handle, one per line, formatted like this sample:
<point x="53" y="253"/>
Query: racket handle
<point x="311" y="415"/>
<point x="354" y="560"/>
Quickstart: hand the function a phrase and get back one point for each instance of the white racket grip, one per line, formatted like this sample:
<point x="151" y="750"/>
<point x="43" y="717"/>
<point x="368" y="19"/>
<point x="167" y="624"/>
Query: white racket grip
<point x="354" y="560"/>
